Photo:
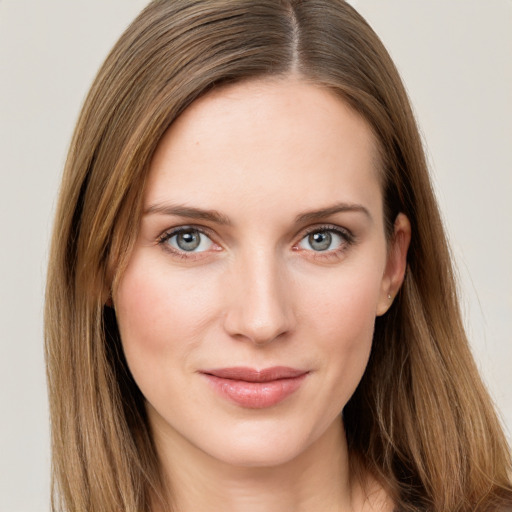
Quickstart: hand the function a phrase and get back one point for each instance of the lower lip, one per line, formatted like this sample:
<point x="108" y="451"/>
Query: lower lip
<point x="255" y="395"/>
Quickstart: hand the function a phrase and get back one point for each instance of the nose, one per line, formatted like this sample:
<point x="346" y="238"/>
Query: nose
<point x="260" y="306"/>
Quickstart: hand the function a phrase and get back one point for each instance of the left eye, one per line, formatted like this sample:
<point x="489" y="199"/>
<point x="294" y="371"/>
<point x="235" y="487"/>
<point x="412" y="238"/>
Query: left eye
<point x="189" y="240"/>
<point x="322" y="240"/>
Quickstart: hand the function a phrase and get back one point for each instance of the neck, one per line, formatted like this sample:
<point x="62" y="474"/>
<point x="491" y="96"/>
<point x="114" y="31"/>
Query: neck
<point x="318" y="479"/>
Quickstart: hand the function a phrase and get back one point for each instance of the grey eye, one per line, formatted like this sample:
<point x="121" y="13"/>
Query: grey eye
<point x="322" y="240"/>
<point x="190" y="240"/>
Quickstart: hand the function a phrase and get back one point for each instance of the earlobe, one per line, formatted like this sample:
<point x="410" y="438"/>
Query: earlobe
<point x="106" y="297"/>
<point x="396" y="263"/>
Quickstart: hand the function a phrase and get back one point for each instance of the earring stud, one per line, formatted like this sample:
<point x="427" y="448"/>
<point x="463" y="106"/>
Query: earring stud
<point x="389" y="296"/>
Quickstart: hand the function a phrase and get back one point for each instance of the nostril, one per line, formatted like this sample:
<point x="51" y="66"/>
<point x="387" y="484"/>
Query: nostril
<point x="258" y="325"/>
<point x="259" y="334"/>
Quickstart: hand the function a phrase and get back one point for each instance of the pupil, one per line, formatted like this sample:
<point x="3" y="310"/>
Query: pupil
<point x="188" y="241"/>
<point x="320" y="241"/>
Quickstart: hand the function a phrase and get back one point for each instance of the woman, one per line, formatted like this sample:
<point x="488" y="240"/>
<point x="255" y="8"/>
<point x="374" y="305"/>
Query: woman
<point x="250" y="298"/>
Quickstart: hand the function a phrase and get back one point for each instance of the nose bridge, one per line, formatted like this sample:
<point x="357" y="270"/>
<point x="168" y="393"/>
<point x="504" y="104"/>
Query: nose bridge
<point x="260" y="309"/>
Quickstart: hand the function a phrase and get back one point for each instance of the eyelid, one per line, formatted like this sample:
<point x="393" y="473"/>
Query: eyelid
<point x="331" y="255"/>
<point x="342" y="231"/>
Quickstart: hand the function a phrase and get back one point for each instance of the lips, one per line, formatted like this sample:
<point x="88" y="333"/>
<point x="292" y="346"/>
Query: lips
<point x="255" y="389"/>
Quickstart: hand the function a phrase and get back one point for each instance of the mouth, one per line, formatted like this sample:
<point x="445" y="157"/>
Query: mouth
<point x="255" y="389"/>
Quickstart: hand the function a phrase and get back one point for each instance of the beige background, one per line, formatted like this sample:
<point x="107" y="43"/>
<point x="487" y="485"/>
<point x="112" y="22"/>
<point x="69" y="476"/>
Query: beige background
<point x="456" y="59"/>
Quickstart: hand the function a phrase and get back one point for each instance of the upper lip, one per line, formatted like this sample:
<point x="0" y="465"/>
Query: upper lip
<point x="252" y="375"/>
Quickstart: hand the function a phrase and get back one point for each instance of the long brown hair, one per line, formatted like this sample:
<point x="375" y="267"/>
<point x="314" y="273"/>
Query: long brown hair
<point x="420" y="421"/>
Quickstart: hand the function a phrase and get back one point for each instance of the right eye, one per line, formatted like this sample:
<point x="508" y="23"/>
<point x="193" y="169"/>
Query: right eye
<point x="186" y="240"/>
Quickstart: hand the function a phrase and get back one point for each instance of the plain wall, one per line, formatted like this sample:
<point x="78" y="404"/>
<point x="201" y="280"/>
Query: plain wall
<point x="456" y="59"/>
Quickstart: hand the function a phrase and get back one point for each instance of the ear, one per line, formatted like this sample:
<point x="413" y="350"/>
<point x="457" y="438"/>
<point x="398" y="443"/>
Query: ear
<point x="109" y="302"/>
<point x="396" y="263"/>
<point x="106" y="292"/>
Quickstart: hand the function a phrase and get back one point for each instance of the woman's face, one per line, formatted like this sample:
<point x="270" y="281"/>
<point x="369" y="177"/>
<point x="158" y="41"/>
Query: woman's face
<point x="247" y="308"/>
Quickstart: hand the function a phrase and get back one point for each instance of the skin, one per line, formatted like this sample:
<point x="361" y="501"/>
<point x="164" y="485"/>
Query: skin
<point x="258" y="293"/>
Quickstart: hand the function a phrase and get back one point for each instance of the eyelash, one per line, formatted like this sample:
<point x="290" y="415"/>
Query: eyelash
<point x="188" y="255"/>
<point x="348" y="239"/>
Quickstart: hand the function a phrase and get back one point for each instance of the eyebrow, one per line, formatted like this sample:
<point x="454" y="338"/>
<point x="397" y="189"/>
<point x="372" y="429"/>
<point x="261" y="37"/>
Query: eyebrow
<point x="187" y="211"/>
<point x="332" y="210"/>
<point x="218" y="218"/>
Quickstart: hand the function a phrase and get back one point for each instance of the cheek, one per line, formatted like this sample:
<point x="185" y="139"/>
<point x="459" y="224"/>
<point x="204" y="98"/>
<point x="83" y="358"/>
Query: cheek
<point x="344" y="303"/>
<point x="160" y="316"/>
<point x="342" y="319"/>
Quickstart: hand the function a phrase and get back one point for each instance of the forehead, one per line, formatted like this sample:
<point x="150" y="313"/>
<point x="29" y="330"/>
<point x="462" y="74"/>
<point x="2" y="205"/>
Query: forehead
<point x="266" y="142"/>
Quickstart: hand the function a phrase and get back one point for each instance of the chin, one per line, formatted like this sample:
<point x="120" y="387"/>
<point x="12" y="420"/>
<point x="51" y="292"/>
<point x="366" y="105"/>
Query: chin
<point x="260" y="453"/>
<point x="266" y="443"/>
